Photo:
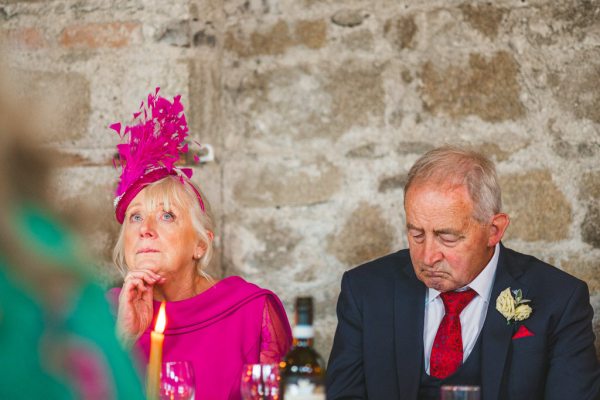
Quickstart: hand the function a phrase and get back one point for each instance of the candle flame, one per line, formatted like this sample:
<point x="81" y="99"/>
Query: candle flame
<point x="161" y="319"/>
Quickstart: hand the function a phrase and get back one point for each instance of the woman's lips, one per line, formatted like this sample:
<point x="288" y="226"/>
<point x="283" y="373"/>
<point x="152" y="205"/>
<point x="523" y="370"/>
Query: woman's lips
<point x="142" y="251"/>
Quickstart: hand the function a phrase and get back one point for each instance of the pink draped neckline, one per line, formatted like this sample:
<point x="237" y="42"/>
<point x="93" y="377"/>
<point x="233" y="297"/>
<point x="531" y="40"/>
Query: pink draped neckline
<point x="231" y="323"/>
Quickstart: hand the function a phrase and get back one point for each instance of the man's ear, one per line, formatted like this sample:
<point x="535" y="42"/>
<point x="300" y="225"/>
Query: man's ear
<point x="497" y="228"/>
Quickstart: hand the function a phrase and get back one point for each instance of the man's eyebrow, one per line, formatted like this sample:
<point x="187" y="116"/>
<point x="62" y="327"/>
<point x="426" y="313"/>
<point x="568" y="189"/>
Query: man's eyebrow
<point x="411" y="226"/>
<point x="443" y="231"/>
<point x="448" y="231"/>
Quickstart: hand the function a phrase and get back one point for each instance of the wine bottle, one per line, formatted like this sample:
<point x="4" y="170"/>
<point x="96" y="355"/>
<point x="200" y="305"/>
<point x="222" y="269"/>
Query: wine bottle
<point x="303" y="369"/>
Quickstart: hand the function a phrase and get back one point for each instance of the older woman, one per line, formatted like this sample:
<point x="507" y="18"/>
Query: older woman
<point x="164" y="246"/>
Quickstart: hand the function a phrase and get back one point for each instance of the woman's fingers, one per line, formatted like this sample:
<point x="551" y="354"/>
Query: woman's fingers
<point x="147" y="276"/>
<point x="135" y="306"/>
<point x="136" y="283"/>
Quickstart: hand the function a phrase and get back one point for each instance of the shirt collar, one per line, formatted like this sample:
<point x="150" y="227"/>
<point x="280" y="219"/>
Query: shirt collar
<point x="482" y="284"/>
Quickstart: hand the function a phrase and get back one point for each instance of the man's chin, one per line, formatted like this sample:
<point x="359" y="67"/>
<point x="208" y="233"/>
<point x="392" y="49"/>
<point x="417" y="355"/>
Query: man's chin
<point x="439" y="284"/>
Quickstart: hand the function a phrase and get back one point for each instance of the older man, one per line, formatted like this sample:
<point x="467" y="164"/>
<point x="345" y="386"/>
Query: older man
<point x="458" y="307"/>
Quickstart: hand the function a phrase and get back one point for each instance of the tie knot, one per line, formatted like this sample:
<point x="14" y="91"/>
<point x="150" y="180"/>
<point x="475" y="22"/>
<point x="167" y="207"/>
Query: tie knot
<point x="455" y="302"/>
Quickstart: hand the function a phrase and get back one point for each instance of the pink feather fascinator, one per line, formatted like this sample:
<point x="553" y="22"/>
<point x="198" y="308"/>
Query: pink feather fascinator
<point x="152" y="145"/>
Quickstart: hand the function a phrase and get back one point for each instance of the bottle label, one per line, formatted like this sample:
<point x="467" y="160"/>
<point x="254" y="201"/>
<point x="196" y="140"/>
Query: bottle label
<point x="303" y="332"/>
<point x="304" y="389"/>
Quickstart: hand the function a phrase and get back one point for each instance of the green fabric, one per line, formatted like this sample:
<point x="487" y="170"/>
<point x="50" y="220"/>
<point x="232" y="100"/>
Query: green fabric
<point x="34" y="340"/>
<point x="46" y="237"/>
<point x="21" y="330"/>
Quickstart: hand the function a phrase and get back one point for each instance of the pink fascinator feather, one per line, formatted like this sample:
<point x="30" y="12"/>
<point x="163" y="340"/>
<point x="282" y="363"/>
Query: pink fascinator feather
<point x="154" y="143"/>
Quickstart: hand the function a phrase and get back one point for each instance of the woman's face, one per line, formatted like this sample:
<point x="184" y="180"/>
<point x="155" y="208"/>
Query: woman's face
<point x="159" y="240"/>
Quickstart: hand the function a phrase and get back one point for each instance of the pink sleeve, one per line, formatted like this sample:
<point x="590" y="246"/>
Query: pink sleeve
<point x="276" y="336"/>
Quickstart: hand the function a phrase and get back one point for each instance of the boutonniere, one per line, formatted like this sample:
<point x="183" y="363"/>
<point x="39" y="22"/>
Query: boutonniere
<point x="513" y="308"/>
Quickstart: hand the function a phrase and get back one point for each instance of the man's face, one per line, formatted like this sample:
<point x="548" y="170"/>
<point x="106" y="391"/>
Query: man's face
<point x="448" y="247"/>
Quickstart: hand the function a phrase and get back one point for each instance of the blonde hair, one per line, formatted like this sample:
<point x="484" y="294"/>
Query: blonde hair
<point x="450" y="165"/>
<point x="170" y="191"/>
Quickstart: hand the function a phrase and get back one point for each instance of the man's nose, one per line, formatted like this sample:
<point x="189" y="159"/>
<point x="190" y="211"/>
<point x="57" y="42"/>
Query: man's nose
<point x="431" y="253"/>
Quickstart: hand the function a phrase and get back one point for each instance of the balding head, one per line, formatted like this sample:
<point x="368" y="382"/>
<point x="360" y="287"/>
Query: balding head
<point x="454" y="166"/>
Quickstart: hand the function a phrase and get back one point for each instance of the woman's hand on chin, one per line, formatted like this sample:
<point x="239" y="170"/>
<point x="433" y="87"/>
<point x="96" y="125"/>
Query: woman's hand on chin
<point x="135" y="304"/>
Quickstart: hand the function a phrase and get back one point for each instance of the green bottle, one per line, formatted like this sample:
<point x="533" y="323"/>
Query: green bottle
<point x="303" y="369"/>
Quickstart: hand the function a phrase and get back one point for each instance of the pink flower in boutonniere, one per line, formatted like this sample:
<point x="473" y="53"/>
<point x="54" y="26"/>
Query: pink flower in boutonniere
<point x="513" y="308"/>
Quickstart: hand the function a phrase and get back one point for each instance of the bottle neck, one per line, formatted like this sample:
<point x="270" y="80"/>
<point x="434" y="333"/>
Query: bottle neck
<point x="304" y="342"/>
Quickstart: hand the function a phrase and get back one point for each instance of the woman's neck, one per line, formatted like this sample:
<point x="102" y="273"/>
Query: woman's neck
<point x="181" y="287"/>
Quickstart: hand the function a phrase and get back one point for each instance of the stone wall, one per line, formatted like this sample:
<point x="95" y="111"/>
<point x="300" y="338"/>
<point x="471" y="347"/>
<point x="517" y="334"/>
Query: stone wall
<point x="317" y="109"/>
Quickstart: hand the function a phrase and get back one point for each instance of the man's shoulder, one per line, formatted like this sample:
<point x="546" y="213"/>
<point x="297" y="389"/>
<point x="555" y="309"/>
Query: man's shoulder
<point x="385" y="267"/>
<point x="539" y="272"/>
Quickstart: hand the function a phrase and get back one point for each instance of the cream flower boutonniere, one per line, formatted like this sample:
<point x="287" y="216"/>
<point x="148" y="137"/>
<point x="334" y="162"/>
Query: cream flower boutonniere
<point x="513" y="308"/>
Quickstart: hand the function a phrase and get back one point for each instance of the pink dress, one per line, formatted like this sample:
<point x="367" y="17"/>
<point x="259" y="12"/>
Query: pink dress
<point x="232" y="323"/>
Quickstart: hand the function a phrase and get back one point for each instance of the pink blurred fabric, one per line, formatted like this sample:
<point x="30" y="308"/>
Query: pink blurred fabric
<point x="232" y="323"/>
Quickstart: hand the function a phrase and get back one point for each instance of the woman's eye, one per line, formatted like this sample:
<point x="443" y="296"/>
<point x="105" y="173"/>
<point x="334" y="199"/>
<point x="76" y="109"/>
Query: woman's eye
<point x="168" y="216"/>
<point x="135" y="218"/>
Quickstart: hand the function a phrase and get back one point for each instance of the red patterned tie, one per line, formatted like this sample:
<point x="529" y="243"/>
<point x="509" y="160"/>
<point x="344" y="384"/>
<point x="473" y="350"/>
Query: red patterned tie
<point x="447" y="350"/>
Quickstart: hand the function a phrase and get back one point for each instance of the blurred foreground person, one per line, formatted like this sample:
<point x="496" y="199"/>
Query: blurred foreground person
<point x="57" y="334"/>
<point x="164" y="246"/>
<point x="459" y="308"/>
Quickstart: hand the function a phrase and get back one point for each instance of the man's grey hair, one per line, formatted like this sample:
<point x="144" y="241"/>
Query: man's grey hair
<point x="450" y="165"/>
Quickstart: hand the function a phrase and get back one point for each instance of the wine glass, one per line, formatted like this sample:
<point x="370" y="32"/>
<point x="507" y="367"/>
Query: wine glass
<point x="448" y="392"/>
<point x="260" y="382"/>
<point x="177" y="381"/>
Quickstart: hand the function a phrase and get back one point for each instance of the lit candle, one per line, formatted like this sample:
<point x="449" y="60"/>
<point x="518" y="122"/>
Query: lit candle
<point x="156" y="344"/>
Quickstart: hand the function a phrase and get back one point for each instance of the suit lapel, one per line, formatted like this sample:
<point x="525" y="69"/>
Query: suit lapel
<point x="497" y="334"/>
<point x="409" y="309"/>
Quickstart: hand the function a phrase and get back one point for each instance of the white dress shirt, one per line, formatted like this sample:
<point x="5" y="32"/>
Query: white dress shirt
<point x="471" y="318"/>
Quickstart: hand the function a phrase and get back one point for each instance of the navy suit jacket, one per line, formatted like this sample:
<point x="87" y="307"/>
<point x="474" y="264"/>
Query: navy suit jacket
<point x="378" y="346"/>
